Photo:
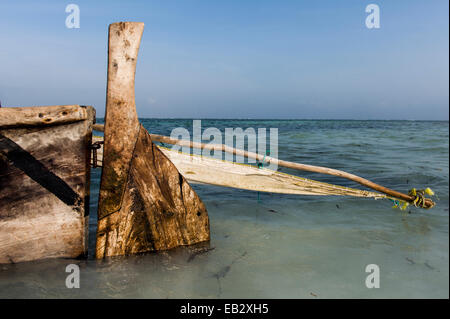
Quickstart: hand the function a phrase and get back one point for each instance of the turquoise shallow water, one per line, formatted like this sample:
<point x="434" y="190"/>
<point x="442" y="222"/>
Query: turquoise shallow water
<point x="283" y="246"/>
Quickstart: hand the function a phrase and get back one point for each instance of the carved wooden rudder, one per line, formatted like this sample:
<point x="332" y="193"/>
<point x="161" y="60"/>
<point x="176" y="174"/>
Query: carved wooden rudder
<point x="145" y="204"/>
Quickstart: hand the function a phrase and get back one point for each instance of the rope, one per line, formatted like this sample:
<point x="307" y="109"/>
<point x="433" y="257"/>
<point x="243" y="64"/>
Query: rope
<point x="402" y="205"/>
<point x="419" y="196"/>
<point x="419" y="199"/>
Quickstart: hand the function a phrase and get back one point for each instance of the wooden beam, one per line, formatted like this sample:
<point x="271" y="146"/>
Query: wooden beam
<point x="41" y="115"/>
<point x="145" y="204"/>
<point x="121" y="121"/>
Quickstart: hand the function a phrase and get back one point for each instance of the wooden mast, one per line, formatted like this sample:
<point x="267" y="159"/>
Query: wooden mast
<point x="145" y="204"/>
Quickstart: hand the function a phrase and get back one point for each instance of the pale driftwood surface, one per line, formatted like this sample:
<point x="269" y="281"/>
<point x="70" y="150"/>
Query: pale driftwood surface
<point x="44" y="183"/>
<point x="145" y="204"/>
<point x="207" y="170"/>
<point x="41" y="115"/>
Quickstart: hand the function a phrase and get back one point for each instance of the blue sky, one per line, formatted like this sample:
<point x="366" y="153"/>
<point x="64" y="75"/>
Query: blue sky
<point x="236" y="59"/>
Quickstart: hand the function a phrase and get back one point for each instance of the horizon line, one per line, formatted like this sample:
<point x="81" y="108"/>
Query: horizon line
<point x="280" y="119"/>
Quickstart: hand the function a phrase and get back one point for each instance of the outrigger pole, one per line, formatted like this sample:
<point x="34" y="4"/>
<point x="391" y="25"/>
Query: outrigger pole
<point x="417" y="200"/>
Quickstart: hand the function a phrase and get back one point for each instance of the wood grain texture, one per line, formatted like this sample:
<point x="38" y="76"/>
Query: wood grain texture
<point x="41" y="115"/>
<point x="159" y="210"/>
<point x="44" y="190"/>
<point x="121" y="121"/>
<point x="144" y="202"/>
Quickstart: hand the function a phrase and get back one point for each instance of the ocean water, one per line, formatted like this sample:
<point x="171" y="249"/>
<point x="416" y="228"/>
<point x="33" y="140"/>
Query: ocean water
<point x="284" y="246"/>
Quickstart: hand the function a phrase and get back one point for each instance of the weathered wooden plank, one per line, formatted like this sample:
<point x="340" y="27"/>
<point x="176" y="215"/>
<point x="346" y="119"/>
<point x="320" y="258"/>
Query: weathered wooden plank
<point x="145" y="204"/>
<point x="44" y="183"/>
<point x="99" y="127"/>
<point x="121" y="121"/>
<point x="41" y="115"/>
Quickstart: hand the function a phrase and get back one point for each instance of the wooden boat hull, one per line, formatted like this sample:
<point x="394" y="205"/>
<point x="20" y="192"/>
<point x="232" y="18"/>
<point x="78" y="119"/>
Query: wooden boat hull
<point x="44" y="182"/>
